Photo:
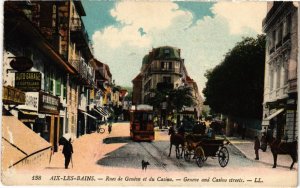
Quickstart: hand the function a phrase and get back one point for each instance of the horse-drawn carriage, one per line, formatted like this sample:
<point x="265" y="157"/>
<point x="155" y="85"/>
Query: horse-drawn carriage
<point x="200" y="147"/>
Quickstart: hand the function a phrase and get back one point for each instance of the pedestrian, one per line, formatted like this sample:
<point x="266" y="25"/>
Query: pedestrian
<point x="110" y="120"/>
<point x="105" y="121"/>
<point x="263" y="146"/>
<point x="109" y="127"/>
<point x="68" y="151"/>
<point x="256" y="147"/>
<point x="243" y="131"/>
<point x="155" y="121"/>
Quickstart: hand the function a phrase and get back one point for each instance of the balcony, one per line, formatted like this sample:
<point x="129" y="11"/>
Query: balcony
<point x="75" y="63"/>
<point x="78" y="33"/>
<point x="83" y="70"/>
<point x="91" y="76"/>
<point x="278" y="93"/>
<point x="164" y="70"/>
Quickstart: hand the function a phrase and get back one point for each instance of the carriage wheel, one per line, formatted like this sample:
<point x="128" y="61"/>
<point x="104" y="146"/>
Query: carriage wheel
<point x="187" y="155"/>
<point x="200" y="156"/>
<point x="200" y="161"/>
<point x="223" y="156"/>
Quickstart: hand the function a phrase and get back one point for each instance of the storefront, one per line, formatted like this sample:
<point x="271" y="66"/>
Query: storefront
<point x="281" y="119"/>
<point x="85" y="120"/>
<point x="49" y="118"/>
<point x="28" y="113"/>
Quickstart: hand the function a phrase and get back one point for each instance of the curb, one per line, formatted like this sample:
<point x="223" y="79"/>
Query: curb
<point x="245" y="156"/>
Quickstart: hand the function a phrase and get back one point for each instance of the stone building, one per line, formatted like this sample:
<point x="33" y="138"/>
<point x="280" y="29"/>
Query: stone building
<point x="164" y="68"/>
<point x="280" y="84"/>
<point x="51" y="36"/>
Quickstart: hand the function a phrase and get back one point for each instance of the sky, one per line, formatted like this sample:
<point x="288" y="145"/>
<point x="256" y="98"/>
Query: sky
<point x="123" y="32"/>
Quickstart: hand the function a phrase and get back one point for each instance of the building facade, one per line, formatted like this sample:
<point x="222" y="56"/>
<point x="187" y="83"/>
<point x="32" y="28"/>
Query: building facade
<point x="58" y="86"/>
<point x="280" y="84"/>
<point x="164" y="68"/>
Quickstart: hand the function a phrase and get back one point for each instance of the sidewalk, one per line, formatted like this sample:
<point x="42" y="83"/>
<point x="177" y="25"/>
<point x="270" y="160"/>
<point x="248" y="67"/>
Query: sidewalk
<point x="246" y="147"/>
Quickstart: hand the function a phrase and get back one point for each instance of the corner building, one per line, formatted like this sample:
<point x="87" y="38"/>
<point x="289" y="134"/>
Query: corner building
<point x="163" y="67"/>
<point x="280" y="84"/>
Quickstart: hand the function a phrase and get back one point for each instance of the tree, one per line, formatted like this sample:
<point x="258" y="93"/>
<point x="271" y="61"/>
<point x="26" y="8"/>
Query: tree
<point x="175" y="99"/>
<point x="181" y="97"/>
<point x="235" y="87"/>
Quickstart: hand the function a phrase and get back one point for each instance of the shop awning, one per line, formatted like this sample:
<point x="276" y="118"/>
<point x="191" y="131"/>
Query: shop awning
<point x="19" y="142"/>
<point x="27" y="116"/>
<point x="32" y="113"/>
<point x="89" y="115"/>
<point x="274" y="114"/>
<point x="101" y="113"/>
<point x="266" y="121"/>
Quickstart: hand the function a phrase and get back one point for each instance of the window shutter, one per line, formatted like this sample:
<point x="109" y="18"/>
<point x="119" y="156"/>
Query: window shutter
<point x="51" y="80"/>
<point x="58" y="85"/>
<point x="170" y="65"/>
<point x="162" y="65"/>
<point x="65" y="88"/>
<point x="46" y="81"/>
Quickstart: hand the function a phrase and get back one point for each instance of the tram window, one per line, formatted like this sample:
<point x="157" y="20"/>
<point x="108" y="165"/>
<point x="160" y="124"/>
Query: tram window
<point x="137" y="117"/>
<point x="145" y="117"/>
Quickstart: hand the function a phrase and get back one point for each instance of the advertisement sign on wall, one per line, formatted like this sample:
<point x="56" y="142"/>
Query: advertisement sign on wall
<point x="48" y="104"/>
<point x="31" y="101"/>
<point x="28" y="81"/>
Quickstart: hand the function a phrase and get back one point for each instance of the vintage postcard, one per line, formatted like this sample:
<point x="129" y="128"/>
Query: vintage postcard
<point x="150" y="93"/>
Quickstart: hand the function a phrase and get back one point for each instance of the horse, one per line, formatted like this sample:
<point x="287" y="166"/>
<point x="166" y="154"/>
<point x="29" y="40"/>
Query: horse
<point x="176" y="139"/>
<point x="279" y="147"/>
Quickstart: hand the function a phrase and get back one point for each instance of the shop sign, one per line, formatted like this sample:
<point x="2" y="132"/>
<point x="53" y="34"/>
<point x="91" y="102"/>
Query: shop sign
<point x="31" y="102"/>
<point x="291" y="101"/>
<point x="12" y="95"/>
<point x="21" y="63"/>
<point x="92" y="94"/>
<point x="28" y="81"/>
<point x="48" y="104"/>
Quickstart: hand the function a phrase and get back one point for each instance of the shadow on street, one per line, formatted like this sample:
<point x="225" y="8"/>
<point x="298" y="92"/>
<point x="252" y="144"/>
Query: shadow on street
<point x="116" y="140"/>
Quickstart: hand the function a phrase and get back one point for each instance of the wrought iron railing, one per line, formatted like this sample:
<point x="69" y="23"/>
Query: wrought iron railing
<point x="75" y="63"/>
<point x="77" y="25"/>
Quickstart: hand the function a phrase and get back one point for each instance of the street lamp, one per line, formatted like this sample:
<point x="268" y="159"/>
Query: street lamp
<point x="167" y="112"/>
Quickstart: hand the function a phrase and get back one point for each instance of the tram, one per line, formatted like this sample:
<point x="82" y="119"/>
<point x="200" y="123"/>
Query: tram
<point x="141" y="123"/>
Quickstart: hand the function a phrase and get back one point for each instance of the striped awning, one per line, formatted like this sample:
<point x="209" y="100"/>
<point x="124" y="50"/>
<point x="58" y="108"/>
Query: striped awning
<point x="266" y="121"/>
<point x="89" y="115"/>
<point x="103" y="111"/>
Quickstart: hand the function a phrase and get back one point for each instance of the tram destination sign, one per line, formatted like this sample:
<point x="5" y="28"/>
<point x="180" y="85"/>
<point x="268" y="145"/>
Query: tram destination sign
<point x="28" y="81"/>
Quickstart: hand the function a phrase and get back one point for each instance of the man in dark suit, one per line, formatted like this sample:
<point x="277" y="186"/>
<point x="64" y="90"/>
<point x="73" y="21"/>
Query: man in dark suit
<point x="256" y="147"/>
<point x="67" y="151"/>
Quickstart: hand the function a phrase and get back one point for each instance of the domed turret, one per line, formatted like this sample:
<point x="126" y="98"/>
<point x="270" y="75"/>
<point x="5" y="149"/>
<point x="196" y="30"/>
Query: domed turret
<point x="167" y="52"/>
